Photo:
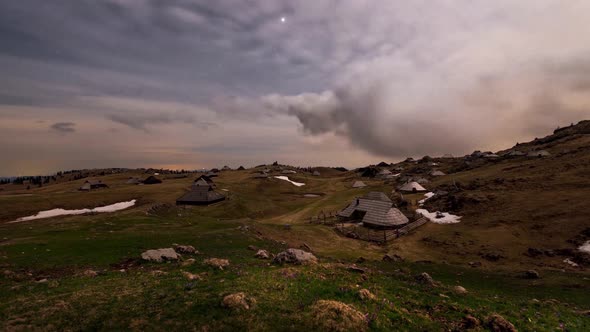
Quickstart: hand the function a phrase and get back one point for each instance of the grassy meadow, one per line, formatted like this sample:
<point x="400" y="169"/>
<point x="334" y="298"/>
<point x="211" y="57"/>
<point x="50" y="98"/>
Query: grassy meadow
<point x="44" y="285"/>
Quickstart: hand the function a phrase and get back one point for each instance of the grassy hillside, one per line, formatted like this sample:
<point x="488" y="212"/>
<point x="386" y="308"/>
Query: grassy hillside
<point x="508" y="206"/>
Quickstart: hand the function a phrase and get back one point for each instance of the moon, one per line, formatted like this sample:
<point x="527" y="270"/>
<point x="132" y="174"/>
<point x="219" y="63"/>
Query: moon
<point x="283" y="19"/>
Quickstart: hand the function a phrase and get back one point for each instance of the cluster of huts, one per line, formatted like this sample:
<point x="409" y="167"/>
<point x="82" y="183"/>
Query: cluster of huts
<point x="98" y="184"/>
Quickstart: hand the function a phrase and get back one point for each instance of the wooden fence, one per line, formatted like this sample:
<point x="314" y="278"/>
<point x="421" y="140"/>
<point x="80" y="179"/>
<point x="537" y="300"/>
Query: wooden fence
<point x="380" y="236"/>
<point x="325" y="218"/>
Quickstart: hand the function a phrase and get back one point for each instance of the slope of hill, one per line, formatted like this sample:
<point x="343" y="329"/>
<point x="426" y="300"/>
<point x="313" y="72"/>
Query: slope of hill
<point x="85" y="273"/>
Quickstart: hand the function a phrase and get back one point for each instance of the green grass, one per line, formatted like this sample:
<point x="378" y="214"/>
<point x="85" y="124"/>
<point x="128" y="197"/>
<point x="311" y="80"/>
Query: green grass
<point x="61" y="249"/>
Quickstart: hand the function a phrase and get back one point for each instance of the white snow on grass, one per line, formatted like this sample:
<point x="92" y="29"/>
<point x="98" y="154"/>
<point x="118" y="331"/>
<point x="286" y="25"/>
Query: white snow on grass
<point x="286" y="178"/>
<point x="61" y="212"/>
<point x="585" y="247"/>
<point x="570" y="262"/>
<point x="446" y="219"/>
<point x="426" y="197"/>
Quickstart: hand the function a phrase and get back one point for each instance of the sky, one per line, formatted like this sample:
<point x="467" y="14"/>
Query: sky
<point x="199" y="84"/>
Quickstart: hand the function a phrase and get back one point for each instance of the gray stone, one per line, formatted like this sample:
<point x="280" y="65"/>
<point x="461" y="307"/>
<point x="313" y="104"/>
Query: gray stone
<point x="295" y="256"/>
<point x="262" y="254"/>
<point x="160" y="255"/>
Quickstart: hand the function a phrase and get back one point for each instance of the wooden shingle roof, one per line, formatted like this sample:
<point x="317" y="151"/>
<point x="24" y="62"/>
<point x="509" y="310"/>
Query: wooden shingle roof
<point x="378" y="210"/>
<point x="200" y="194"/>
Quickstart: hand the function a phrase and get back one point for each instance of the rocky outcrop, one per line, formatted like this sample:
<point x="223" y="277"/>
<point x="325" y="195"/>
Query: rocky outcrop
<point x="238" y="301"/>
<point x="328" y="315"/>
<point x="295" y="256"/>
<point x="262" y="254"/>
<point x="217" y="262"/>
<point x="160" y="255"/>
<point x="497" y="323"/>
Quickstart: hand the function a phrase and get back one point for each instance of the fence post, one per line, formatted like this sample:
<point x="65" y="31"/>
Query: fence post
<point x="384" y="236"/>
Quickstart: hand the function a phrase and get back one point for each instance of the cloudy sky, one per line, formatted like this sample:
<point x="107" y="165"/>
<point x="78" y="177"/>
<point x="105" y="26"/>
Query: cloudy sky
<point x="199" y="83"/>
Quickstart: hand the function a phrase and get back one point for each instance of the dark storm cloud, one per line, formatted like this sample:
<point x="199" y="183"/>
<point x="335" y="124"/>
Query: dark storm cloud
<point x="64" y="127"/>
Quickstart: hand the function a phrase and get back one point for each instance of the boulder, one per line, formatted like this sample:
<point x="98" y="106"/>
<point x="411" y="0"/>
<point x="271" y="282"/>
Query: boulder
<point x="188" y="262"/>
<point x="262" y="254"/>
<point x="425" y="279"/>
<point x="237" y="301"/>
<point x="184" y="249"/>
<point x="90" y="273"/>
<point x="470" y="322"/>
<point x="475" y="264"/>
<point x="160" y="255"/>
<point x="217" y="262"/>
<point x="295" y="256"/>
<point x="497" y="323"/>
<point x="392" y="258"/>
<point x="366" y="295"/>
<point x="459" y="290"/>
<point x="191" y="276"/>
<point x="328" y="315"/>
<point x="531" y="274"/>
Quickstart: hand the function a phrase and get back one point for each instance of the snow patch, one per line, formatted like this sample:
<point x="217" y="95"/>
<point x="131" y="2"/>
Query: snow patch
<point x="585" y="247"/>
<point x="426" y="197"/>
<point x="286" y="178"/>
<point x="61" y="212"/>
<point x="446" y="218"/>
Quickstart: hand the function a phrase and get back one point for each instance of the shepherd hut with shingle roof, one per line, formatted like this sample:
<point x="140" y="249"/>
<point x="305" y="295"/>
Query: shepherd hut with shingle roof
<point x="358" y="184"/>
<point x="374" y="210"/>
<point x="200" y="195"/>
<point x="412" y="187"/>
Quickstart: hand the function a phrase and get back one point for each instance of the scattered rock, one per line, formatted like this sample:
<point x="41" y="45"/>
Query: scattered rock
<point x="238" y="301"/>
<point x="185" y="249"/>
<point x="352" y="235"/>
<point x="90" y="273"/>
<point x="470" y="322"/>
<point x="459" y="290"/>
<point x="188" y="262"/>
<point x="253" y="248"/>
<point x="158" y="273"/>
<point x="425" y="279"/>
<point x="191" y="276"/>
<point x="354" y="268"/>
<point x="160" y="255"/>
<point x="262" y="254"/>
<point x="570" y="262"/>
<point x="217" y="262"/>
<point x="497" y="323"/>
<point x="392" y="258"/>
<point x="295" y="256"/>
<point x="366" y="295"/>
<point x="492" y="257"/>
<point x="534" y="252"/>
<point x="328" y="315"/>
<point x="531" y="274"/>
<point x="361" y="260"/>
<point x="42" y="281"/>
<point x="475" y="264"/>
